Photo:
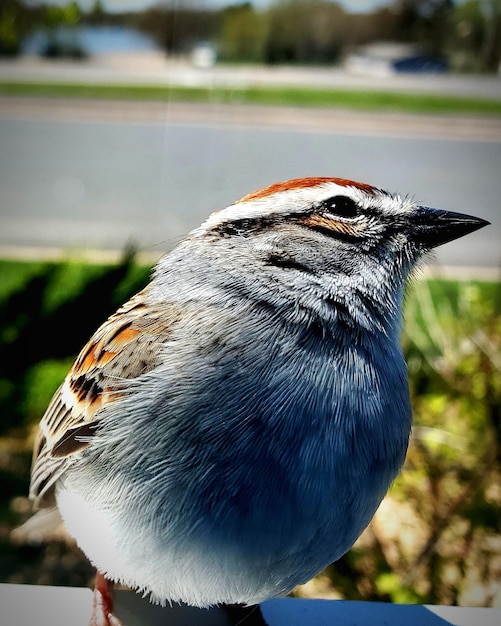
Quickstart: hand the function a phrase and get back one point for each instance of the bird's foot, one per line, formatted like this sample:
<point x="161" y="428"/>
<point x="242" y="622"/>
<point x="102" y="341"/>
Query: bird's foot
<point x="102" y="605"/>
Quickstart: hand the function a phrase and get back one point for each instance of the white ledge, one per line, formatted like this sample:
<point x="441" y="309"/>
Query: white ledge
<point x="29" y="605"/>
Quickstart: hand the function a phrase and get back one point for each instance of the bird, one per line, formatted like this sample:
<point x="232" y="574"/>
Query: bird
<point x="231" y="430"/>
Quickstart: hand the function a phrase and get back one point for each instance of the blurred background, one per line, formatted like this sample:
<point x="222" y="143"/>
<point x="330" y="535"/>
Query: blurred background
<point x="124" y="123"/>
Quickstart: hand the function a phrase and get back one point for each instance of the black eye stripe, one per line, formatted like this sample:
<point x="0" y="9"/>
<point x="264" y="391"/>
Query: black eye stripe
<point x="337" y="206"/>
<point x="341" y="206"/>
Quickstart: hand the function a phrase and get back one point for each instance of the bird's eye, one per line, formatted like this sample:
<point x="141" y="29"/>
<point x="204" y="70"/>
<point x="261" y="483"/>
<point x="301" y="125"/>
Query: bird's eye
<point x="341" y="206"/>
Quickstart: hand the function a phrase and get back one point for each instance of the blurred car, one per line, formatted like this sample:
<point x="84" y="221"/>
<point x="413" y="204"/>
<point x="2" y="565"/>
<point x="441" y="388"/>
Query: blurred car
<point x="203" y="55"/>
<point x="421" y="63"/>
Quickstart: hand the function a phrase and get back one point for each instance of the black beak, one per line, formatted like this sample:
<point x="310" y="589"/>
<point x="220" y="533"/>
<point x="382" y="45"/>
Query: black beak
<point x="433" y="227"/>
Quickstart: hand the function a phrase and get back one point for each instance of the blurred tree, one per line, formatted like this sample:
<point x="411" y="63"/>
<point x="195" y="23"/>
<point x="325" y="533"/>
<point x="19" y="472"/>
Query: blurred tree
<point x="96" y="14"/>
<point x="492" y="40"/>
<point x="60" y="23"/>
<point x="56" y="16"/>
<point x="469" y="36"/>
<point x="364" y="28"/>
<point x="15" y="23"/>
<point x="320" y="31"/>
<point x="476" y="42"/>
<point x="243" y="33"/>
<point x="178" y="29"/>
<point x="426" y="22"/>
<point x="305" y="31"/>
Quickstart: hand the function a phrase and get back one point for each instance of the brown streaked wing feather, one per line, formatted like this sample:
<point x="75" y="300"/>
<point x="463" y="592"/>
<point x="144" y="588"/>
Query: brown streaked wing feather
<point x="124" y="347"/>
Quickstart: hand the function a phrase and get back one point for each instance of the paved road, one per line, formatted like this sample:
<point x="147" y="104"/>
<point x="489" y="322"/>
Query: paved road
<point x="101" y="174"/>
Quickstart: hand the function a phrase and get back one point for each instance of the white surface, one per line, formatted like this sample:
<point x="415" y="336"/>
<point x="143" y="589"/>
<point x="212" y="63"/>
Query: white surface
<point x="27" y="605"/>
<point x="30" y="605"/>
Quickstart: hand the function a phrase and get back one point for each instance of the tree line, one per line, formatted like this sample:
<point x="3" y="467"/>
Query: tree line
<point x="468" y="34"/>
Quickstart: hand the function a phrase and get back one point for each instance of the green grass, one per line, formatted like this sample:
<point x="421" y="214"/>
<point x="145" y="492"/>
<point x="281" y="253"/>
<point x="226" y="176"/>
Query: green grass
<point x="72" y="274"/>
<point x="14" y="274"/>
<point x="361" y="100"/>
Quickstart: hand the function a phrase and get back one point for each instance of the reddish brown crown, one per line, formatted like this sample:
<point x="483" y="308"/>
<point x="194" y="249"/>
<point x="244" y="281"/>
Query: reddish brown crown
<point x="301" y="183"/>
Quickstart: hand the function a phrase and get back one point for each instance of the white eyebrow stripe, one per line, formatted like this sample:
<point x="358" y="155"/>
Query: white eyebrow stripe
<point x="298" y="199"/>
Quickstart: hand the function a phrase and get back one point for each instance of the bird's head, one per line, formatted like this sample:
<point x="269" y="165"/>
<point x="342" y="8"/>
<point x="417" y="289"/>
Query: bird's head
<point x="340" y="219"/>
<point x="342" y="236"/>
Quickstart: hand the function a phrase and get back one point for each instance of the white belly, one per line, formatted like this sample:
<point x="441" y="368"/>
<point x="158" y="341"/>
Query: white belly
<point x="168" y="572"/>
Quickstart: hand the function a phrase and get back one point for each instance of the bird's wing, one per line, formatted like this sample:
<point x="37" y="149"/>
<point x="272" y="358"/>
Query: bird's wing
<point x="127" y="345"/>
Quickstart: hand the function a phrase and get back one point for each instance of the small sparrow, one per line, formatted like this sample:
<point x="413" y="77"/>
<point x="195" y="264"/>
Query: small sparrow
<point x="231" y="430"/>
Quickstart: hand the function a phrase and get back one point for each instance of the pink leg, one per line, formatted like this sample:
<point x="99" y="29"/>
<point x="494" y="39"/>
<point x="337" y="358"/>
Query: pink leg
<point x="102" y="605"/>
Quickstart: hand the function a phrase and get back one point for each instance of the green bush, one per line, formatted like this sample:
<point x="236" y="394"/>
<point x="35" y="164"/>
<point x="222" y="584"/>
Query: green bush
<point x="49" y="318"/>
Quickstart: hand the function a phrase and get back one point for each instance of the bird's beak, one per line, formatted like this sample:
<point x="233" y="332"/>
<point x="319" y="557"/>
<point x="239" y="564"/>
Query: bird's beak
<point x="434" y="227"/>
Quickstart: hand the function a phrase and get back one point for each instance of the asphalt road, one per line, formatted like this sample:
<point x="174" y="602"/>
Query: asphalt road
<point x="100" y="175"/>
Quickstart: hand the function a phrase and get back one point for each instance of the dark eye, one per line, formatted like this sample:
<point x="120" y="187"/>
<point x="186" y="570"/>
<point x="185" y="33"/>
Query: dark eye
<point x="341" y="206"/>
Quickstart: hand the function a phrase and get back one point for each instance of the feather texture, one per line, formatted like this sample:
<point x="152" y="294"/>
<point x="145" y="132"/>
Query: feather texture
<point x="127" y="345"/>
